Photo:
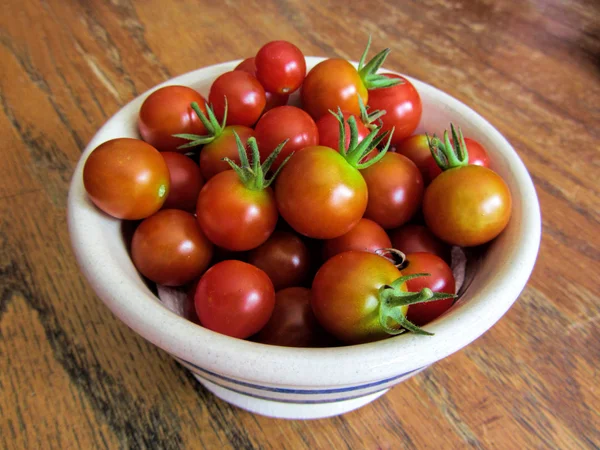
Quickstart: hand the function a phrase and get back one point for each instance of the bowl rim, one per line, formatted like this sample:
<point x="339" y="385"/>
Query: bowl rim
<point x="283" y="366"/>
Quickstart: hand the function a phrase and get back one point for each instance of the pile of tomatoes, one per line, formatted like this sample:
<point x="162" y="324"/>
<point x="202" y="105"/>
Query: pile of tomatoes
<point x="321" y="224"/>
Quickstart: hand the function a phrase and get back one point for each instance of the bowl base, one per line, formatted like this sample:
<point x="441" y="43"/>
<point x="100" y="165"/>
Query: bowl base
<point x="283" y="410"/>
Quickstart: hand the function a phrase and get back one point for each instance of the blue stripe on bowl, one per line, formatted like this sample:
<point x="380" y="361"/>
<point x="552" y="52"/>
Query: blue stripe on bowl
<point x="296" y="391"/>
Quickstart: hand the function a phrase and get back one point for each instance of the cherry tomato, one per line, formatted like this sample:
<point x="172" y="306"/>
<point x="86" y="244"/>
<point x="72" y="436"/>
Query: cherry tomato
<point x="224" y="146"/>
<point x="234" y="298"/>
<point x="284" y="258"/>
<point x="329" y="131"/>
<point x="361" y="297"/>
<point x="126" y="178"/>
<point x="293" y="323"/>
<point x="440" y="279"/>
<point x="166" y="112"/>
<point x="170" y="249"/>
<point x="416" y="148"/>
<point x="245" y="97"/>
<point x="467" y="206"/>
<point x="281" y="123"/>
<point x="233" y="216"/>
<point x="331" y="84"/>
<point x="280" y="67"/>
<point x="395" y="188"/>
<point x="366" y="236"/>
<point x="186" y="182"/>
<point x="319" y="194"/>
<point x="412" y="238"/>
<point x="273" y="100"/>
<point x="477" y="156"/>
<point x="403" y="107"/>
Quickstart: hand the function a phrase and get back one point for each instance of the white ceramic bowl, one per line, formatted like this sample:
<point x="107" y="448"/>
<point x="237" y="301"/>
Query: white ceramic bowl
<point x="309" y="383"/>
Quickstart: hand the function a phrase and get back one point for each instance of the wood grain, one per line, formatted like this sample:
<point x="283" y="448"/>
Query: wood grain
<point x="74" y="377"/>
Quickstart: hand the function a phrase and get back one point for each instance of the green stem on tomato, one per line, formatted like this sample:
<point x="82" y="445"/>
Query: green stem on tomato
<point x="368" y="72"/>
<point x="449" y="154"/>
<point x="214" y="129"/>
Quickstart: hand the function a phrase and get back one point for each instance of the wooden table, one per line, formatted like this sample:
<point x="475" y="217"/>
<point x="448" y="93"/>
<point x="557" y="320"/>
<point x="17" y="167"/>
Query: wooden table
<point x="72" y="376"/>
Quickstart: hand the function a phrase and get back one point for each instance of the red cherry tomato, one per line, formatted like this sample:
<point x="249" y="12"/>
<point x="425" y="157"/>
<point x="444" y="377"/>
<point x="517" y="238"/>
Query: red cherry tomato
<point x="280" y="67"/>
<point x="284" y="258"/>
<point x="440" y="279"/>
<point x="245" y="98"/>
<point x="412" y="238"/>
<point x="319" y="194"/>
<point x="126" y="178"/>
<point x="273" y="100"/>
<point x="234" y="298"/>
<point x="224" y="146"/>
<point x="186" y="182"/>
<point x="331" y="84"/>
<point x="366" y="236"/>
<point x="416" y="148"/>
<point x="170" y="249"/>
<point x="467" y="206"/>
<point x="395" y="188"/>
<point x="329" y="130"/>
<point x="293" y="324"/>
<point x="233" y="216"/>
<point x="477" y="156"/>
<point x="166" y="112"/>
<point x="281" y="123"/>
<point x="403" y="107"/>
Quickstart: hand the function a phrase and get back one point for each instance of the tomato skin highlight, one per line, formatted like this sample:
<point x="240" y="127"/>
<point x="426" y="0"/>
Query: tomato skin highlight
<point x="403" y="107"/>
<point x="441" y="279"/>
<point x="331" y="84"/>
<point x="417" y="150"/>
<point x="284" y="258"/>
<point x="245" y="97"/>
<point x="366" y="236"/>
<point x="467" y="206"/>
<point x="233" y="216"/>
<point x="395" y="188"/>
<point x="281" y="123"/>
<point x="166" y="112"/>
<point x="186" y="182"/>
<point x="280" y="67"/>
<point x="234" y="298"/>
<point x="293" y="323"/>
<point x="413" y="238"/>
<point x="170" y="249"/>
<point x="212" y="154"/>
<point x="273" y="100"/>
<point x="346" y="295"/>
<point x="319" y="194"/>
<point x="126" y="178"/>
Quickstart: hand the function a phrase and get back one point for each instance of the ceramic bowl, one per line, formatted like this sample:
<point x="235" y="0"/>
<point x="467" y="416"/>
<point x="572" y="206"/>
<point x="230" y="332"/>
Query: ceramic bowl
<point x="309" y="383"/>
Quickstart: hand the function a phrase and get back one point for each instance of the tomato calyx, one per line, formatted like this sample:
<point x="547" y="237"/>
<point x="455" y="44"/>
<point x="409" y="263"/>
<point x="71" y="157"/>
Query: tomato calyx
<point x="212" y="125"/>
<point x="358" y="150"/>
<point x="368" y="72"/>
<point x="449" y="154"/>
<point x="253" y="174"/>
<point x="369" y="118"/>
<point x="392" y="299"/>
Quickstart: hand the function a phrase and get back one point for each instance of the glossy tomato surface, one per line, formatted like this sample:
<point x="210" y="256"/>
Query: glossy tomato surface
<point x="417" y="150"/>
<point x="280" y="67"/>
<point x="395" y="188"/>
<point x="273" y="100"/>
<point x="234" y="298"/>
<point x="126" y="178"/>
<point x="346" y="295"/>
<point x="170" y="249"/>
<point x="331" y="84"/>
<point x="245" y="97"/>
<point x="281" y="123"/>
<point x="467" y="206"/>
<point x="293" y="323"/>
<point x="284" y="258"/>
<point x="441" y="279"/>
<point x="366" y="236"/>
<point x="403" y="107"/>
<point x="319" y="194"/>
<point x="415" y="238"/>
<point x="166" y="112"/>
<point x="233" y="216"/>
<point x="186" y="182"/>
<point x="224" y="146"/>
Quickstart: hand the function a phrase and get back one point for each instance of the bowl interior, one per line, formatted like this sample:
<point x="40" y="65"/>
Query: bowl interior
<point x="503" y="272"/>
